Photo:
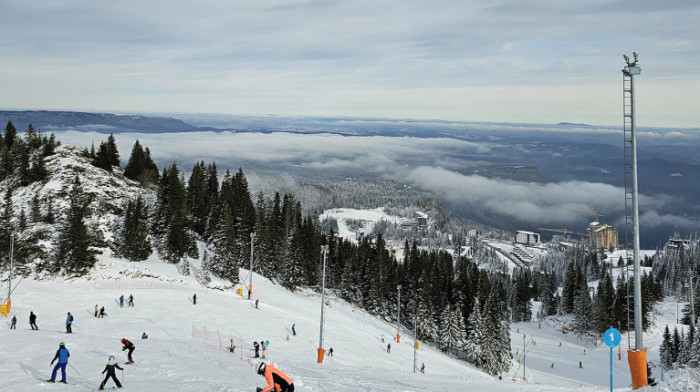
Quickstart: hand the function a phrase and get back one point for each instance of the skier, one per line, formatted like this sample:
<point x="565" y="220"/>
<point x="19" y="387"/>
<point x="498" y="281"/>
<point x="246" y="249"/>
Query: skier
<point x="109" y="368"/>
<point x="277" y="381"/>
<point x="144" y="336"/>
<point x="102" y="312"/>
<point x="131" y="300"/>
<point x="422" y="367"/>
<point x="194" y="299"/>
<point x="580" y="365"/>
<point x="330" y="351"/>
<point x="256" y="347"/>
<point x="232" y="348"/>
<point x="256" y="303"/>
<point x="388" y="348"/>
<point x="32" y="321"/>
<point x="249" y="293"/>
<point x="121" y="301"/>
<point x="128" y="345"/>
<point x="96" y="310"/>
<point x="294" y="331"/>
<point x="263" y="346"/>
<point x="14" y="323"/>
<point x="69" y="323"/>
<point x="62" y="355"/>
<point x="552" y="365"/>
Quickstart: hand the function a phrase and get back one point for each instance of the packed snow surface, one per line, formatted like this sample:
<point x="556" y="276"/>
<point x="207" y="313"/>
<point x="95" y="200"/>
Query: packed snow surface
<point x="186" y="349"/>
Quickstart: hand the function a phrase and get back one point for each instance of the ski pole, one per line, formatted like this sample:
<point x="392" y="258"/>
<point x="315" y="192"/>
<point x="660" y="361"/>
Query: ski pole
<point x="76" y="370"/>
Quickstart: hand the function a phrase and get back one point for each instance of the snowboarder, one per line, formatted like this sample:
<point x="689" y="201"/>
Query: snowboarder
<point x="62" y="355"/>
<point x="256" y="347"/>
<point x="121" y="301"/>
<point x="32" y="321"/>
<point x="102" y="312"/>
<point x="330" y="351"/>
<point x="256" y="303"/>
<point x="109" y="368"/>
<point x="232" y="348"/>
<point x="131" y="300"/>
<point x="128" y="345"/>
<point x="96" y="310"/>
<point x="294" y="331"/>
<point x="13" y="325"/>
<point x="276" y="380"/>
<point x="69" y="323"/>
<point x="144" y="336"/>
<point x="422" y="367"/>
<point x="388" y="348"/>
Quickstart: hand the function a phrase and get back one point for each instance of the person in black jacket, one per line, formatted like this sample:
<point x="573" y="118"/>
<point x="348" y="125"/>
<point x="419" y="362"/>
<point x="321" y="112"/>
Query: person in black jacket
<point x="111" y="364"/>
<point x="128" y="345"/>
<point x="14" y="323"/>
<point x="32" y="321"/>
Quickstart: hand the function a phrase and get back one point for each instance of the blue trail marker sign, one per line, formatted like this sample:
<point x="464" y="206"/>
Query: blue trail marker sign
<point x="612" y="339"/>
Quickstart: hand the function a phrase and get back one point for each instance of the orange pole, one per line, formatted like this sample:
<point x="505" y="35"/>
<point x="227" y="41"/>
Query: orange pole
<point x="638" y="367"/>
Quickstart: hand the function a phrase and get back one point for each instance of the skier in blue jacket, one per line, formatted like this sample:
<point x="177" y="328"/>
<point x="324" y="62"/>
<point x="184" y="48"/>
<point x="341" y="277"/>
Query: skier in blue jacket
<point x="62" y="355"/>
<point x="69" y="322"/>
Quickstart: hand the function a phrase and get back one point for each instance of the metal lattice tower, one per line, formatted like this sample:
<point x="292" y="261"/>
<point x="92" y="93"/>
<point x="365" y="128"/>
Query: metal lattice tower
<point x="634" y="317"/>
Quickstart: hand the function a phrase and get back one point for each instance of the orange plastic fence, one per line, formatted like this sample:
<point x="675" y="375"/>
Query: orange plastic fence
<point x="638" y="367"/>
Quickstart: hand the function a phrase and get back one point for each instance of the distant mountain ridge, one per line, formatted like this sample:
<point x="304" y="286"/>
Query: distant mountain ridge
<point x="47" y="121"/>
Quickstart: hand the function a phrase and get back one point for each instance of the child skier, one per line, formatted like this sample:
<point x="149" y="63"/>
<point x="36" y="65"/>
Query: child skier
<point x="130" y="346"/>
<point x="62" y="355"/>
<point x="69" y="323"/>
<point x="111" y="364"/>
<point x="14" y="323"/>
<point x="276" y="380"/>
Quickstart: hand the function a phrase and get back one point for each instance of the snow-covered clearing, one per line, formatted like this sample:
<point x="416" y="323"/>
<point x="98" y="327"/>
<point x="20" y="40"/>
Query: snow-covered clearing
<point x="367" y="218"/>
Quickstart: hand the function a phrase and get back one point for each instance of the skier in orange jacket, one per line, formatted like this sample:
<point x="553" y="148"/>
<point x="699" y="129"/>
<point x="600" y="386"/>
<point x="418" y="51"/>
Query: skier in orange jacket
<point x="277" y="381"/>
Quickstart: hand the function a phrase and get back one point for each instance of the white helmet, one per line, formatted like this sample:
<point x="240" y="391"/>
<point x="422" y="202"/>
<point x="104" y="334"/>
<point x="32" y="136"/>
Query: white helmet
<point x="260" y="368"/>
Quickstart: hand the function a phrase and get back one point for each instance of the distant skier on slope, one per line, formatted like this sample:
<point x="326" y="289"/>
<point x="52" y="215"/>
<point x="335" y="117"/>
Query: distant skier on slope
<point x="13" y="325"/>
<point x="130" y="346"/>
<point x="62" y="355"/>
<point x="109" y="368"/>
<point x="131" y="300"/>
<point x="257" y="301"/>
<point x="277" y="381"/>
<point x="256" y="348"/>
<point x="194" y="299"/>
<point x="121" y="301"/>
<point x="294" y="331"/>
<point x="388" y="348"/>
<point x="96" y="310"/>
<point x="32" y="321"/>
<point x="69" y="323"/>
<point x="102" y="312"/>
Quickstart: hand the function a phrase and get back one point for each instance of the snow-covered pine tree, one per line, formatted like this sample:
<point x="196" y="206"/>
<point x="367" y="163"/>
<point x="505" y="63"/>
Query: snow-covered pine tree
<point x="496" y="340"/>
<point x="583" y="309"/>
<point x="685" y="352"/>
<point x="603" y="305"/>
<point x="666" y="350"/>
<point x="185" y="267"/>
<point x="203" y="277"/>
<point x="134" y="240"/>
<point x="73" y="251"/>
<point x="452" y="329"/>
<point x="473" y="346"/>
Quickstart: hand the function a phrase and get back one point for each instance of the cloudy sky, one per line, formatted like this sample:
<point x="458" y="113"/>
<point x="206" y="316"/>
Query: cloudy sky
<point x="497" y="60"/>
